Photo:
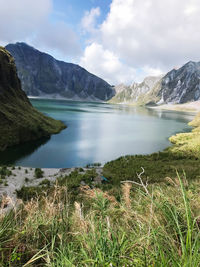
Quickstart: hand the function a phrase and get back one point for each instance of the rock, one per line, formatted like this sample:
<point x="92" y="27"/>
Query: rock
<point x="44" y="76"/>
<point x="181" y="85"/>
<point x="176" y="87"/>
<point x="137" y="92"/>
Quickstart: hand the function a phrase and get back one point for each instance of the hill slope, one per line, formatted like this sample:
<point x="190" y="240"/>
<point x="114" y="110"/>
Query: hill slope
<point x="181" y="85"/>
<point x="43" y="75"/>
<point x="19" y="121"/>
<point x="176" y="87"/>
<point x="137" y="92"/>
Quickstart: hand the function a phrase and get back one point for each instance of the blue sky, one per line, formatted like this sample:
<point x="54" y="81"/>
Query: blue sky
<point x="73" y="10"/>
<point x="121" y="41"/>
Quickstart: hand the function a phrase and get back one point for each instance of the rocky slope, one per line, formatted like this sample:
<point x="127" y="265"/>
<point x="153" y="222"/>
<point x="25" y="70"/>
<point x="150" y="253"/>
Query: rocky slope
<point x="19" y="121"/>
<point x="176" y="87"/>
<point x="137" y="92"/>
<point x="181" y="85"/>
<point x="42" y="75"/>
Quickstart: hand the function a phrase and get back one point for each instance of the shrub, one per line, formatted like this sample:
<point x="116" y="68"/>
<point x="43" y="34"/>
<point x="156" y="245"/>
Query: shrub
<point x="4" y="171"/>
<point x="26" y="180"/>
<point x="45" y="182"/>
<point x="38" y="173"/>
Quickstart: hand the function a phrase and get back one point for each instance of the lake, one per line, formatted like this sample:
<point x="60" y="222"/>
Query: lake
<point x="97" y="132"/>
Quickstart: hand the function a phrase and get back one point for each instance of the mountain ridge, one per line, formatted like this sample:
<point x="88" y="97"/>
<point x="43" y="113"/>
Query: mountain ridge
<point x="178" y="86"/>
<point x="43" y="75"/>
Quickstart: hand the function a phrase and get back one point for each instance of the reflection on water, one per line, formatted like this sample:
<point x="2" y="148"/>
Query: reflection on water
<point x="98" y="132"/>
<point x="11" y="155"/>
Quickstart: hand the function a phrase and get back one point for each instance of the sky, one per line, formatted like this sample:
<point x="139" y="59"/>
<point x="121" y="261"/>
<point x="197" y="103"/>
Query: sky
<point x="121" y="41"/>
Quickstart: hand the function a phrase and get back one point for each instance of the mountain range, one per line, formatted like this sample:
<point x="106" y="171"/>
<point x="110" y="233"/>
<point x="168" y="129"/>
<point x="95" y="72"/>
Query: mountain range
<point x="44" y="76"/>
<point x="177" y="86"/>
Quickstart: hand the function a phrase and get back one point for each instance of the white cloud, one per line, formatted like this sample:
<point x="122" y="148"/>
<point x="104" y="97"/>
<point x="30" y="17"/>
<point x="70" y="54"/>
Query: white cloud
<point x="57" y="38"/>
<point x="148" y="71"/>
<point x="153" y="32"/>
<point x="29" y="21"/>
<point x="88" y="22"/>
<point x="106" y="64"/>
<point x="21" y="18"/>
<point x="149" y="36"/>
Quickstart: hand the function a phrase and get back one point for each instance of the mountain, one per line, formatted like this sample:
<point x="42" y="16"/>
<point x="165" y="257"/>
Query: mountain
<point x="181" y="85"/>
<point x="19" y="121"/>
<point x="176" y="87"/>
<point x="42" y="75"/>
<point x="137" y="92"/>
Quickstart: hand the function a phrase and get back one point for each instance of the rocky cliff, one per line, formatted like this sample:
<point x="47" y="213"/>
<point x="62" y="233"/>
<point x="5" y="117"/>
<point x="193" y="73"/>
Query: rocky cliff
<point x="19" y="121"/>
<point x="177" y="86"/>
<point x="181" y="85"/>
<point x="137" y="92"/>
<point x="42" y="75"/>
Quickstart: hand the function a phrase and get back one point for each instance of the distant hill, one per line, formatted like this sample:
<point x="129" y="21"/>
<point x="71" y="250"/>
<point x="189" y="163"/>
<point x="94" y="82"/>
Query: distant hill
<point x="181" y="85"/>
<point x="177" y="86"/>
<point x="137" y="92"/>
<point x="42" y="75"/>
<point x="19" y="121"/>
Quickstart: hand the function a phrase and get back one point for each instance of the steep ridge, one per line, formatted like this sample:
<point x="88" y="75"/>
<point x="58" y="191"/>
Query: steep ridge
<point x="137" y="92"/>
<point x="181" y="85"/>
<point x="42" y="75"/>
<point x="19" y="121"/>
<point x="176" y="87"/>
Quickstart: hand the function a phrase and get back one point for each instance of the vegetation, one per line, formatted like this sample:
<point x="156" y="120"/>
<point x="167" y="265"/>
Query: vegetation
<point x="19" y="121"/>
<point x="45" y="182"/>
<point x="151" y="225"/>
<point x="38" y="173"/>
<point x="4" y="171"/>
<point x="187" y="144"/>
<point x="139" y="217"/>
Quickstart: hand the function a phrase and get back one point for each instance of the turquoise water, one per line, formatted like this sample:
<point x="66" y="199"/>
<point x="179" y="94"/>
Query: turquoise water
<point x="97" y="133"/>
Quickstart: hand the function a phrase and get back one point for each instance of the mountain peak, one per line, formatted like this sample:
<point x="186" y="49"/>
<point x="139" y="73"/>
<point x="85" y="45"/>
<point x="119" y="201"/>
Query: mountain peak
<point x="42" y="75"/>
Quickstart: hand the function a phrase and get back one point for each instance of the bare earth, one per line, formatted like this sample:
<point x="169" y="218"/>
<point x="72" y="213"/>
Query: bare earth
<point x="18" y="179"/>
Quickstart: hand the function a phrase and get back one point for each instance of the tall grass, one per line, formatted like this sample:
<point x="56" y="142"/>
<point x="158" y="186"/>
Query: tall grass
<point x="151" y="225"/>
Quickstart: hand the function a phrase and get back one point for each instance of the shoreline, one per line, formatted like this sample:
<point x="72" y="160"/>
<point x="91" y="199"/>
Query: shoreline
<point x="191" y="107"/>
<point x="25" y="176"/>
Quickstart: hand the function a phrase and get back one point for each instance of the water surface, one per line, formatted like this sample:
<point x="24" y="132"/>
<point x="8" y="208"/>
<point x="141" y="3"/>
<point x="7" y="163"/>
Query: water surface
<point x="97" y="133"/>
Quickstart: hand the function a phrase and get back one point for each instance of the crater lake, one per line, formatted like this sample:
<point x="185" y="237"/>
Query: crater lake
<point x="97" y="132"/>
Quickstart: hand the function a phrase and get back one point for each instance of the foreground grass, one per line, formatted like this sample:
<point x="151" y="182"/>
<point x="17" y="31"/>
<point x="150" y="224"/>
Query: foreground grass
<point x="150" y="225"/>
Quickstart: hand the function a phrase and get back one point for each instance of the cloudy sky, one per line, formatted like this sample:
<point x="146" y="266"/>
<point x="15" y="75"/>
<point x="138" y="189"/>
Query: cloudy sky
<point x="119" y="40"/>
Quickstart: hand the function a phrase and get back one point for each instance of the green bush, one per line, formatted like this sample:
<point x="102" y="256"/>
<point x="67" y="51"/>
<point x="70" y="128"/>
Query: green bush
<point x="45" y="182"/>
<point x="4" y="171"/>
<point x="38" y="173"/>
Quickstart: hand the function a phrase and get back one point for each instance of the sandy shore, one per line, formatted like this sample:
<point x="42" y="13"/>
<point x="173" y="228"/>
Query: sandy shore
<point x="25" y="176"/>
<point x="187" y="107"/>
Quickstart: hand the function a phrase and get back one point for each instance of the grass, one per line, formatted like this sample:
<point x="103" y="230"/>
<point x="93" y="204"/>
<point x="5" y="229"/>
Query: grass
<point x="19" y="121"/>
<point x="140" y="217"/>
<point x="188" y="144"/>
<point x="151" y="225"/>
